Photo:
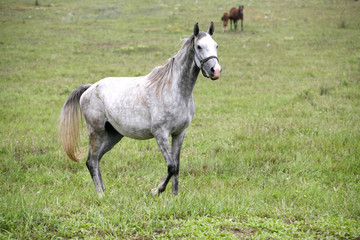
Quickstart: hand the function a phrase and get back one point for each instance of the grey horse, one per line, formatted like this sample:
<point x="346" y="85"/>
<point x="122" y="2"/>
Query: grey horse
<point x="157" y="105"/>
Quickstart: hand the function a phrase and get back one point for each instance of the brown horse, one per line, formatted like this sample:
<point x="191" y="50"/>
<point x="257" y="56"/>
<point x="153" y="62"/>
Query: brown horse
<point x="225" y="19"/>
<point x="235" y="15"/>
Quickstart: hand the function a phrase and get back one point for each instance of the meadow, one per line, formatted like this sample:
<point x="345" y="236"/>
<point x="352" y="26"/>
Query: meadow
<point x="273" y="151"/>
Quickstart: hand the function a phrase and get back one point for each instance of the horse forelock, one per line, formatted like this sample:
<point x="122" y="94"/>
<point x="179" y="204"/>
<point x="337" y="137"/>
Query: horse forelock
<point x="201" y="35"/>
<point x="189" y="41"/>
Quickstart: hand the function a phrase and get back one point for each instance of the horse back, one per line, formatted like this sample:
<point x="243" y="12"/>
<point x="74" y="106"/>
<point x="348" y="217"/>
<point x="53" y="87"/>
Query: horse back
<point x="233" y="13"/>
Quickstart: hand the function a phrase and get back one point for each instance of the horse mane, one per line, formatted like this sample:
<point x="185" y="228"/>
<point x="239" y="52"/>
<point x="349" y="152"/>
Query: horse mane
<point x="162" y="75"/>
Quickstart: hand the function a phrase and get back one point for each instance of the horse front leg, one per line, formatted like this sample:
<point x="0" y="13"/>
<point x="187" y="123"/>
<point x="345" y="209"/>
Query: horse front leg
<point x="164" y="145"/>
<point x="176" y="144"/>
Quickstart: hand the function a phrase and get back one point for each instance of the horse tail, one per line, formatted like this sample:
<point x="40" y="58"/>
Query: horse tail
<point x="70" y="124"/>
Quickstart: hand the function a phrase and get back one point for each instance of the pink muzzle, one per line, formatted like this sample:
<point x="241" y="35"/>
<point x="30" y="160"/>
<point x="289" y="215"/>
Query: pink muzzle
<point x="217" y="72"/>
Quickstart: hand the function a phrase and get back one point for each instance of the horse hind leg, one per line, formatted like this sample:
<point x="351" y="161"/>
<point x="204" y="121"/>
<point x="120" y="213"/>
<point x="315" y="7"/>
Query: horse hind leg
<point x="94" y="169"/>
<point x="101" y="141"/>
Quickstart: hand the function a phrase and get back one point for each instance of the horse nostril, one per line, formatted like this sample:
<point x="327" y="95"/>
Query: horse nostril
<point x="212" y="70"/>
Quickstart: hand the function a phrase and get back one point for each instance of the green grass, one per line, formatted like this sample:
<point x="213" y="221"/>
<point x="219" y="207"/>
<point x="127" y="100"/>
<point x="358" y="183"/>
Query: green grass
<point x="272" y="153"/>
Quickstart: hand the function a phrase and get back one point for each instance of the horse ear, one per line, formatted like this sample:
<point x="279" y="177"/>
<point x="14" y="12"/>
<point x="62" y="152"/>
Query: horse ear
<point x="211" y="29"/>
<point x="196" y="29"/>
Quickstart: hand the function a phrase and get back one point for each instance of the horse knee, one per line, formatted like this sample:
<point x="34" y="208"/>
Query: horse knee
<point x="172" y="169"/>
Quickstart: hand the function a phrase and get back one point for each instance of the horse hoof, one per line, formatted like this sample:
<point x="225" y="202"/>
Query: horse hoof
<point x="101" y="195"/>
<point x="154" y="192"/>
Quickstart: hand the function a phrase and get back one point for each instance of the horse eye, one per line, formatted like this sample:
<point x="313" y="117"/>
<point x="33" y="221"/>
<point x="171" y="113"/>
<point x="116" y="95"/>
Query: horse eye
<point x="198" y="47"/>
<point x="217" y="46"/>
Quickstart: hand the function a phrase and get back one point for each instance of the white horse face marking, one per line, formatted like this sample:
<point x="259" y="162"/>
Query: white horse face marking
<point x="206" y="47"/>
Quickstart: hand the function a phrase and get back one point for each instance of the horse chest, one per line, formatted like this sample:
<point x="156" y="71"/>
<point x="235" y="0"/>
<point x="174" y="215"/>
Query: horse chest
<point x="180" y="118"/>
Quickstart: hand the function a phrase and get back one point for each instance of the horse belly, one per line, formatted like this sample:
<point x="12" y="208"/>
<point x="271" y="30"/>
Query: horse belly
<point x="132" y="125"/>
<point x="130" y="117"/>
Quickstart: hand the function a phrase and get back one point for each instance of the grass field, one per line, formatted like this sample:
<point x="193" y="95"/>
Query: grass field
<point x="272" y="153"/>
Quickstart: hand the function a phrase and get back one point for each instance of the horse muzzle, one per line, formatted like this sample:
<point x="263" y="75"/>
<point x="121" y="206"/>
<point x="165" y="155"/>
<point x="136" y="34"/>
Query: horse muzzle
<point x="211" y="72"/>
<point x="215" y="72"/>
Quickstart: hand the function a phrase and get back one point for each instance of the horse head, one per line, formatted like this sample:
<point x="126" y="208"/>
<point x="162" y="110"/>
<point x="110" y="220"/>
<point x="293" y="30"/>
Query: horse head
<point x="241" y="12"/>
<point x="205" y="50"/>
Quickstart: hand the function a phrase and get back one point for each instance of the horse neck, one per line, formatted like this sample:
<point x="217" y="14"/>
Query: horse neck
<point x="186" y="71"/>
<point x="240" y="13"/>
